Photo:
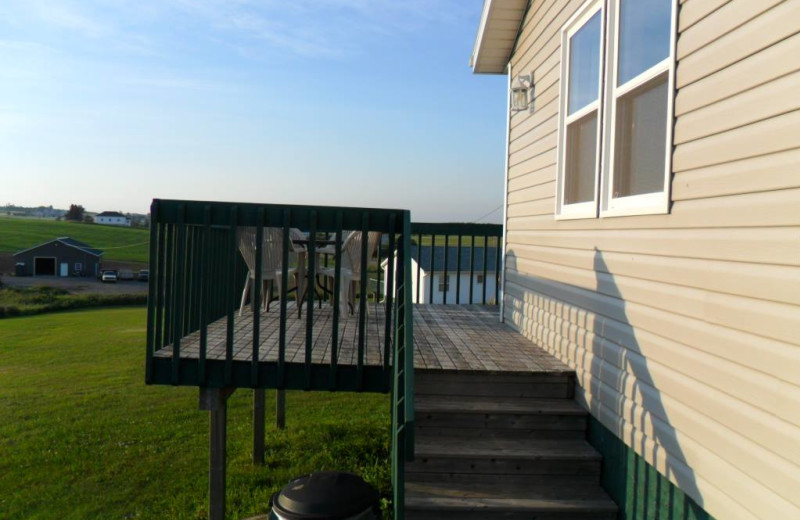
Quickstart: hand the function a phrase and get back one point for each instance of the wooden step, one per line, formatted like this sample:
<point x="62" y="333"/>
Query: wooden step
<point x="503" y="456"/>
<point x="493" y="384"/>
<point x="489" y="499"/>
<point x="495" y="416"/>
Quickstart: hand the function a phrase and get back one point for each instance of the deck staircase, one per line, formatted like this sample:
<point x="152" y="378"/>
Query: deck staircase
<point x="504" y="445"/>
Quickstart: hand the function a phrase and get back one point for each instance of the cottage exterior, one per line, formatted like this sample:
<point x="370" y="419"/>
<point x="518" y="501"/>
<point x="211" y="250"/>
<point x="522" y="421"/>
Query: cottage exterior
<point x="61" y="257"/>
<point x="112" y="218"/>
<point x="652" y="226"/>
<point x="451" y="286"/>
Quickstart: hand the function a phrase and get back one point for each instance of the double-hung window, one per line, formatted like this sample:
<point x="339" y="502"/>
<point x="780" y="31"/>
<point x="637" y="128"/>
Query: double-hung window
<point x="615" y="127"/>
<point x="579" y="140"/>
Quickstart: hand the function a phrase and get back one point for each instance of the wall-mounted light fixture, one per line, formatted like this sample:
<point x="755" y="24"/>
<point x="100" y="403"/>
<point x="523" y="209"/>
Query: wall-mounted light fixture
<point x="522" y="93"/>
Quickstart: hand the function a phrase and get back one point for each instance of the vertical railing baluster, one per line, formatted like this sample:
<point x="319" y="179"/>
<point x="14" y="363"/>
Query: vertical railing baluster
<point x="497" y="272"/>
<point x="408" y="330"/>
<point x="458" y="271"/>
<point x="419" y="266"/>
<point x="446" y="279"/>
<point x="337" y="282"/>
<point x="169" y="279"/>
<point x="472" y="268"/>
<point x="287" y="229"/>
<point x="312" y="276"/>
<point x="230" y="257"/>
<point x="178" y="296"/>
<point x="151" y="292"/>
<point x="430" y="269"/>
<point x="362" y="301"/>
<point x="186" y="273"/>
<point x="485" y="250"/>
<point x="380" y="271"/>
<point x="160" y="283"/>
<point x="398" y="393"/>
<point x="257" y="295"/>
<point x="191" y="277"/>
<point x="205" y="275"/>
<point x="391" y="266"/>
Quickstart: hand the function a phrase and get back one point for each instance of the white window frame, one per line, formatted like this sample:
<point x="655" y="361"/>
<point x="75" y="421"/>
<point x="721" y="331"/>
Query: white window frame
<point x="574" y="24"/>
<point x="444" y="283"/>
<point x="649" y="203"/>
<point x="604" y="204"/>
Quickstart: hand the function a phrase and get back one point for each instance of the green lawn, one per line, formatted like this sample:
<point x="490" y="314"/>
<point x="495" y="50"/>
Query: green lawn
<point x="81" y="436"/>
<point x="17" y="234"/>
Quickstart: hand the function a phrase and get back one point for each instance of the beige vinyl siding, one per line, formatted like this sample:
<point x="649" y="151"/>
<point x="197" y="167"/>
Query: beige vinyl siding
<point x="684" y="328"/>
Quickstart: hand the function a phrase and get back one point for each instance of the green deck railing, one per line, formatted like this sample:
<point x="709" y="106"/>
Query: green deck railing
<point x="197" y="275"/>
<point x="470" y="251"/>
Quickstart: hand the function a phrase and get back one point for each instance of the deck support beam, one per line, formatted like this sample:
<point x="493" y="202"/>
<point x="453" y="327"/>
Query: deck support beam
<point x="280" y="409"/>
<point x="259" y="429"/>
<point x="215" y="401"/>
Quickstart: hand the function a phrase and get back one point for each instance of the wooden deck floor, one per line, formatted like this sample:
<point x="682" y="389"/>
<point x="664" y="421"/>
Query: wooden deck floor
<point x="446" y="337"/>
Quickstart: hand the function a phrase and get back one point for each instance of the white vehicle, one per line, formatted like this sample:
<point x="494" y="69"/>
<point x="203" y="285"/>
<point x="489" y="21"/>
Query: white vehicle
<point x="109" y="277"/>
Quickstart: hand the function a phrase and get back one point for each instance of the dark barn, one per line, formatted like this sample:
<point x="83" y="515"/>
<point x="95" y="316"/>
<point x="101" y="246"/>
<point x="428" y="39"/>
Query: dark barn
<point x="61" y="256"/>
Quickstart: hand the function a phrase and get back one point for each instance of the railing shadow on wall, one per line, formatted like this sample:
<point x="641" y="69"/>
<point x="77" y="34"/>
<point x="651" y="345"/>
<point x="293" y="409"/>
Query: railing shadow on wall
<point x="576" y="324"/>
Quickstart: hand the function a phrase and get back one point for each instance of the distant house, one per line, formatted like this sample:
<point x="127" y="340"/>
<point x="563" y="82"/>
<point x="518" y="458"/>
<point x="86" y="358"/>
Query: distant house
<point x="61" y="256"/>
<point x="112" y="218"/>
<point x="428" y="268"/>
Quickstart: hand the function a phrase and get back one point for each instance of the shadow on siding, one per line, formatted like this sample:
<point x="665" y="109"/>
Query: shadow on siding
<point x="636" y="486"/>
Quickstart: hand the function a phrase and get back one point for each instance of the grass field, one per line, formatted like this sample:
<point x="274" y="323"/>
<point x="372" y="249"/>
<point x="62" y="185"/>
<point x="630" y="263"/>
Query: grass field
<point x="119" y="243"/>
<point x="81" y="436"/>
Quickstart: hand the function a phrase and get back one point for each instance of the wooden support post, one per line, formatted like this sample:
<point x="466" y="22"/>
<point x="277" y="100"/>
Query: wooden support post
<point x="280" y="409"/>
<point x="259" y="407"/>
<point x="215" y="400"/>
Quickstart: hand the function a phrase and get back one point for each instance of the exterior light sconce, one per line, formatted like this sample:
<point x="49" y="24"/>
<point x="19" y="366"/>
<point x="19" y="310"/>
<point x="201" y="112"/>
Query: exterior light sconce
<point x="522" y="93"/>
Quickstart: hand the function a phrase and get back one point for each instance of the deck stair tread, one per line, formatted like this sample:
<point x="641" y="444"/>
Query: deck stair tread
<point x="507" y="496"/>
<point x="496" y="405"/>
<point x="505" y="445"/>
<point x="498" y="447"/>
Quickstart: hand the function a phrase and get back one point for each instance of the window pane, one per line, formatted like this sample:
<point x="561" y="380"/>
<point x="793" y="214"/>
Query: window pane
<point x="641" y="139"/>
<point x="584" y="64"/>
<point x="644" y="30"/>
<point x="581" y="160"/>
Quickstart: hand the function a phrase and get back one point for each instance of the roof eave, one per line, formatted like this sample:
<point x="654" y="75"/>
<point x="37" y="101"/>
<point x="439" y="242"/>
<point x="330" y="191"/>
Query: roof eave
<point x="493" y="35"/>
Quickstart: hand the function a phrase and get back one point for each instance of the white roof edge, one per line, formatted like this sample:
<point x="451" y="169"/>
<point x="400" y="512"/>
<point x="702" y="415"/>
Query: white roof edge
<point x="484" y="29"/>
<point x="476" y="48"/>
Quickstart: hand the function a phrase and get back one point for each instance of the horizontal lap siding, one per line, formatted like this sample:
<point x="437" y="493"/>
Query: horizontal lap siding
<point x="683" y="328"/>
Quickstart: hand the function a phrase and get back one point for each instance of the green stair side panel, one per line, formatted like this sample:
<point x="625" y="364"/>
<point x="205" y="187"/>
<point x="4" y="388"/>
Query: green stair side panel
<point x="639" y="490"/>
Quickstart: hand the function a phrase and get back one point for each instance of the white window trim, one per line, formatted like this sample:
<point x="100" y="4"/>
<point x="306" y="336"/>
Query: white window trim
<point x="649" y="203"/>
<point x="574" y="24"/>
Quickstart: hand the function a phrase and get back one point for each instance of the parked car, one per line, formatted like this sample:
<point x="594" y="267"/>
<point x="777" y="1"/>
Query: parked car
<point x="109" y="277"/>
<point x="125" y="274"/>
<point x="144" y="275"/>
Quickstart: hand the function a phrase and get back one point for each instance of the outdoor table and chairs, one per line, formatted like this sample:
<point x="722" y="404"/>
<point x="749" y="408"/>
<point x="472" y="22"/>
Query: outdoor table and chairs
<point x="324" y="247"/>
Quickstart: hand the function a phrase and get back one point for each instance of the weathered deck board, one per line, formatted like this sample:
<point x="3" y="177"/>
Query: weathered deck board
<point x="446" y="337"/>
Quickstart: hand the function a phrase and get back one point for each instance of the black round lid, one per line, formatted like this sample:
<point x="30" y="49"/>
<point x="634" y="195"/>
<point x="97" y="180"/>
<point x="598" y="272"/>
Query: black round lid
<point x="325" y="495"/>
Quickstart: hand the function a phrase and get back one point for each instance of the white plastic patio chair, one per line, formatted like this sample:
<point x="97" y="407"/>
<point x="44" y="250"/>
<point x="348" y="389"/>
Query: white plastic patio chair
<point x="271" y="262"/>
<point x="351" y="266"/>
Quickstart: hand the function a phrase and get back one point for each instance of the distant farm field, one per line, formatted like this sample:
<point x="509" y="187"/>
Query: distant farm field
<point x="82" y="436"/>
<point x="119" y="243"/>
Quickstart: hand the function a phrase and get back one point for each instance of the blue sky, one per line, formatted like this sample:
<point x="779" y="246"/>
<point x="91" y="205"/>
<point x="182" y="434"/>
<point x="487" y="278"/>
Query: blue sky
<point x="111" y="103"/>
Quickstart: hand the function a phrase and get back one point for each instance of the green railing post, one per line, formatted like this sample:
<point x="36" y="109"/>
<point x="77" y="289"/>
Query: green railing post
<point x="151" y="293"/>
